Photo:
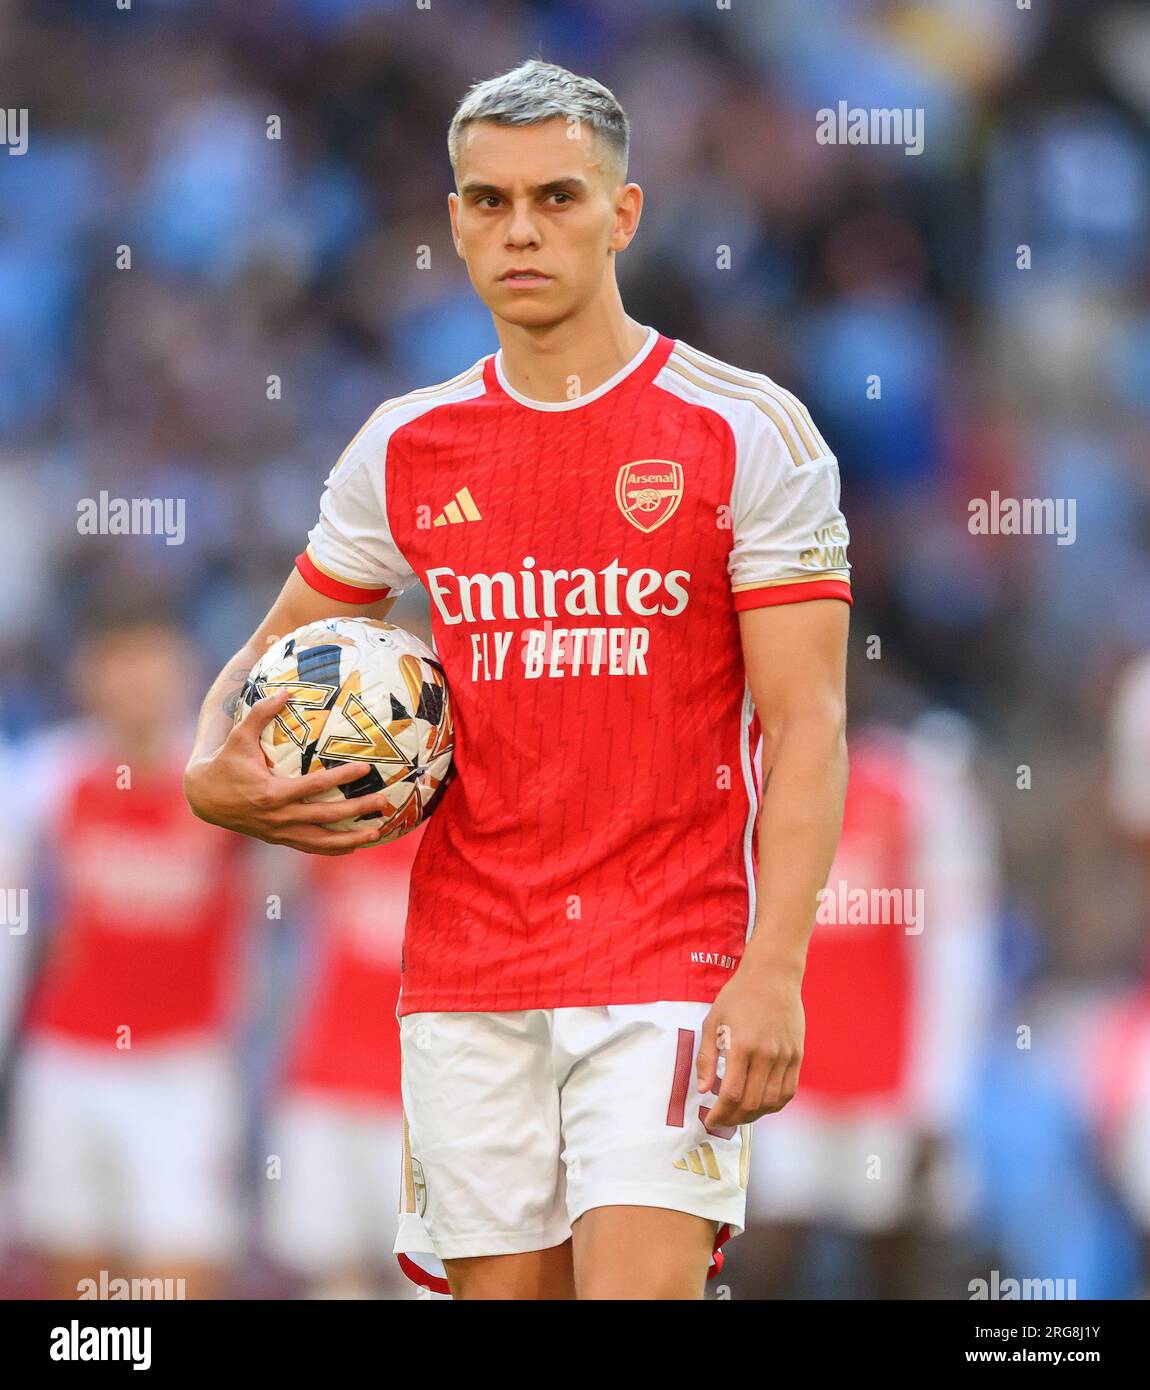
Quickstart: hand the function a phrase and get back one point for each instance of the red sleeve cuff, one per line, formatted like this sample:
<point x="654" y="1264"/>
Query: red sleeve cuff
<point x="335" y="588"/>
<point x="772" y="594"/>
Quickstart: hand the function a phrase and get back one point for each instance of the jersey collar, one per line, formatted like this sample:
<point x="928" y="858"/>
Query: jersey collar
<point x="496" y="365"/>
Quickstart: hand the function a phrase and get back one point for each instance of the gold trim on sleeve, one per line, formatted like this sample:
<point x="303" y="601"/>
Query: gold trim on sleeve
<point x="843" y="575"/>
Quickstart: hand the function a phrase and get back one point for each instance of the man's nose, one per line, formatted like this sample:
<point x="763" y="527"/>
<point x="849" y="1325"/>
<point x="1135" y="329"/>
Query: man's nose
<point x="522" y="229"/>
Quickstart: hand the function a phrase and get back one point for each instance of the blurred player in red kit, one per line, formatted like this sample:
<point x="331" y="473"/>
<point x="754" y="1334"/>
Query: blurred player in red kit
<point x="637" y="566"/>
<point x="125" y="1112"/>
<point x="897" y="993"/>
<point x="337" y="1114"/>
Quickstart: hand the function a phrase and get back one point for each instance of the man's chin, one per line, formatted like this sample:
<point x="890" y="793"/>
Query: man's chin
<point x="533" y="313"/>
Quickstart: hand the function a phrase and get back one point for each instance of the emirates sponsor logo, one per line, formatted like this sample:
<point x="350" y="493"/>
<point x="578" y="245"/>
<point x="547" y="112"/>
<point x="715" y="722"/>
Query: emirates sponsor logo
<point x="529" y="592"/>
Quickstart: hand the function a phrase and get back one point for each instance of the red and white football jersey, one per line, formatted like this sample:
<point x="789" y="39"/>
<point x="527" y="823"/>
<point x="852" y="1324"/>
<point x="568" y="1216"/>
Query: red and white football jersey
<point x="147" y="907"/>
<point x="899" y="971"/>
<point x="586" y="561"/>
<point x="347" y="1041"/>
<point x="858" y="984"/>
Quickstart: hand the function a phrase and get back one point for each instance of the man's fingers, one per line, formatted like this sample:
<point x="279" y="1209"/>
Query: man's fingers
<point x="288" y="791"/>
<point x="721" y="1113"/>
<point x="327" y="812"/>
<point x="313" y="783"/>
<point x="258" y="716"/>
<point x="731" y="1091"/>
<point x="780" y="1088"/>
<point x="707" y="1061"/>
<point x="316" y="840"/>
<point x="313" y="849"/>
<point x="764" y="1072"/>
<point x="762" y="1084"/>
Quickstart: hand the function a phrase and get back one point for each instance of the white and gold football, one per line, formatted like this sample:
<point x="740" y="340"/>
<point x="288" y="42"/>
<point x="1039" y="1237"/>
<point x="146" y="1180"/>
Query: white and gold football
<point x="361" y="691"/>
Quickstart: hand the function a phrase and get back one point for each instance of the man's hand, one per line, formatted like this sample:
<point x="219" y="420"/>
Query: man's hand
<point x="758" y="1025"/>
<point x="234" y="788"/>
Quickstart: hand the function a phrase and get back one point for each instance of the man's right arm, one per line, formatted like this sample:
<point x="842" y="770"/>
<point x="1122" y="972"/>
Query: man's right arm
<point x="227" y="781"/>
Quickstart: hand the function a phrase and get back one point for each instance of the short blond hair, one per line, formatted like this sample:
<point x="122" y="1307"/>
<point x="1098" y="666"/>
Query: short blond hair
<point x="535" y="92"/>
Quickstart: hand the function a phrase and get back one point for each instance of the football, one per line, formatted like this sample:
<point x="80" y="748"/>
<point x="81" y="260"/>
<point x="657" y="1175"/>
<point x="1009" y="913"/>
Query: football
<point x="361" y="691"/>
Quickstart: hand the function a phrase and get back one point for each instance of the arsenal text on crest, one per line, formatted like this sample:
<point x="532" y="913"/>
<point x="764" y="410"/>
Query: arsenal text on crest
<point x="649" y="491"/>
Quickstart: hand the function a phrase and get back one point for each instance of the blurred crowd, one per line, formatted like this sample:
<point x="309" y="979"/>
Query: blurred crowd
<point x="227" y="243"/>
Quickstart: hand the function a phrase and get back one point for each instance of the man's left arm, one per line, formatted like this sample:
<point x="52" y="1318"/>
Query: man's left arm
<point x="795" y="657"/>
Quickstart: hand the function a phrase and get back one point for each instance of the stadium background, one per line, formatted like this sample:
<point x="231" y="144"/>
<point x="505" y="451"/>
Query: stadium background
<point x="298" y="257"/>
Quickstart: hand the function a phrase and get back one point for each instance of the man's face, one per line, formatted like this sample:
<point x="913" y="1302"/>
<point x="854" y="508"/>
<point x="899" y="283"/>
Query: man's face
<point x="531" y="199"/>
<point x="134" y="681"/>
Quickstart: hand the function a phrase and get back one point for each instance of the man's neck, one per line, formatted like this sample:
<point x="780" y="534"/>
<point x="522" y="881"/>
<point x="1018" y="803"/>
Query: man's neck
<point x="570" y="359"/>
<point x="147" y="752"/>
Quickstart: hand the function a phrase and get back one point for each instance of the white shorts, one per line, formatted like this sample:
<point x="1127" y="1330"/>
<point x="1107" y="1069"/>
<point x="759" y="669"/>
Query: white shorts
<point x="852" y="1169"/>
<point x="334" y="1202"/>
<point x="131" y="1153"/>
<point x="519" y="1122"/>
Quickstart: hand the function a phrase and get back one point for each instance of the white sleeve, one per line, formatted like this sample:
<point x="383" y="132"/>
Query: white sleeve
<point x="1128" y="777"/>
<point x="351" y="553"/>
<point x="789" y="536"/>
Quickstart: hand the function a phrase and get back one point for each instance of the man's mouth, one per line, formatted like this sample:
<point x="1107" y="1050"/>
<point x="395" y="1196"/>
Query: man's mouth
<point x="527" y="276"/>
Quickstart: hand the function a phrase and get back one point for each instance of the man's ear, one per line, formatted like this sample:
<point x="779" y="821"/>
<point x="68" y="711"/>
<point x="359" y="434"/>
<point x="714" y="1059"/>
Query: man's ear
<point x="453" y="214"/>
<point x="628" y="210"/>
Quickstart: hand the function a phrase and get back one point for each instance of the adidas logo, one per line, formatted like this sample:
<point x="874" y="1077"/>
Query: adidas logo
<point x="701" y="1161"/>
<point x="461" y="508"/>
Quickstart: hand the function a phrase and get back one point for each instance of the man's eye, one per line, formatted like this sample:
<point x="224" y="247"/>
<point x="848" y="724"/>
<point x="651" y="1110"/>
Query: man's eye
<point x="565" y="196"/>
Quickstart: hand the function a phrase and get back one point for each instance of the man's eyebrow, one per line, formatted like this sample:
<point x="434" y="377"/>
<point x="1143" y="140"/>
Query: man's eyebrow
<point x="567" y="185"/>
<point x="564" y="185"/>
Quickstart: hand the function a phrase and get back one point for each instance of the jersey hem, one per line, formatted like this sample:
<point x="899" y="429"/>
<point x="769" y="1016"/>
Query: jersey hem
<point x="429" y="1001"/>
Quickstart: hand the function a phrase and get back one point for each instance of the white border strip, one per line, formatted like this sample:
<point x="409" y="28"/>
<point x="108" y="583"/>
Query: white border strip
<point x="745" y="758"/>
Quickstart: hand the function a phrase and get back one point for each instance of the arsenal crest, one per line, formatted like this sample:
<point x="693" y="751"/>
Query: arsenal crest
<point x="648" y="492"/>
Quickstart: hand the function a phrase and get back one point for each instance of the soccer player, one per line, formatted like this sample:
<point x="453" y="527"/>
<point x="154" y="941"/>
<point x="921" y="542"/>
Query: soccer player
<point x="126" y="1108"/>
<point x="337" y="1121"/>
<point x="896" y="995"/>
<point x="636" y="564"/>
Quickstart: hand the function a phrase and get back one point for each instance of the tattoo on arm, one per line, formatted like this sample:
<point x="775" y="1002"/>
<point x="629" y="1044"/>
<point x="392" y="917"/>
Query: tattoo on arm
<point x="232" y="698"/>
